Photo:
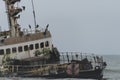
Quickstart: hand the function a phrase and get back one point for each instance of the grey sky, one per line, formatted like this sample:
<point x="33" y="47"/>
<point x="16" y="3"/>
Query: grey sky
<point x="91" y="26"/>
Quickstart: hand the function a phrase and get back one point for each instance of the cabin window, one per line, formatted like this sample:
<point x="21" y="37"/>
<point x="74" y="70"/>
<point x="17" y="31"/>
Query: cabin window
<point x="20" y="49"/>
<point x="1" y="52"/>
<point x="8" y="51"/>
<point x="47" y="43"/>
<point x="26" y="48"/>
<point x="36" y="46"/>
<point x="42" y="45"/>
<point x="31" y="47"/>
<point x="14" y="50"/>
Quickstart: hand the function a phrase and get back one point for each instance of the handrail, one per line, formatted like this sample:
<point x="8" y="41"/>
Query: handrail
<point x="80" y="56"/>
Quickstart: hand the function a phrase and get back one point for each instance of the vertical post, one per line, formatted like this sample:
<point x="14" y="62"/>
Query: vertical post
<point x="34" y="14"/>
<point x="81" y="56"/>
<point x="72" y="56"/>
<point x="67" y="57"/>
<point x="63" y="57"/>
<point x="12" y="68"/>
<point x="29" y="51"/>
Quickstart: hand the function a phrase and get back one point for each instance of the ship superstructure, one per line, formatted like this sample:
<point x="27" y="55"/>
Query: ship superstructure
<point x="17" y="44"/>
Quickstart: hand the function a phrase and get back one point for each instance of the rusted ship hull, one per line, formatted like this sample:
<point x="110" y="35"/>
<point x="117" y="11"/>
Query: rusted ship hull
<point x="86" y="74"/>
<point x="75" y="68"/>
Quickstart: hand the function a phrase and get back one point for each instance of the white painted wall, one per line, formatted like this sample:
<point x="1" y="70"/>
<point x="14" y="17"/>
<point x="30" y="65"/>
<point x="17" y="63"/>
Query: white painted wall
<point x="25" y="54"/>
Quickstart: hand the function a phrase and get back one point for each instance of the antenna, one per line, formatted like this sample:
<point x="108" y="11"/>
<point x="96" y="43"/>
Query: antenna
<point x="34" y="13"/>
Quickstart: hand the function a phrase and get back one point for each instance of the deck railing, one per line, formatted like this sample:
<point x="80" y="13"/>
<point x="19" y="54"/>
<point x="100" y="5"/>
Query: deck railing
<point x="69" y="56"/>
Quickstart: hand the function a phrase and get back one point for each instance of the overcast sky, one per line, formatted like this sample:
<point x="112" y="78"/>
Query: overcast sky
<point x="91" y="26"/>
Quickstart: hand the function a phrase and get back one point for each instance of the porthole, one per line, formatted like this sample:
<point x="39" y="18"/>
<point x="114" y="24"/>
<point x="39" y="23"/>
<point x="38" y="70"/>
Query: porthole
<point x="42" y="45"/>
<point x="20" y="49"/>
<point x="36" y="46"/>
<point x="46" y="43"/>
<point x="26" y="48"/>
<point x="31" y="47"/>
<point x="2" y="52"/>
<point x="14" y="50"/>
<point x="8" y="51"/>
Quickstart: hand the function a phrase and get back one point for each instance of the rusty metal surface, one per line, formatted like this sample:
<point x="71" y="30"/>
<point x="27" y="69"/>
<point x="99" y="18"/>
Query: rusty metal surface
<point x="26" y="38"/>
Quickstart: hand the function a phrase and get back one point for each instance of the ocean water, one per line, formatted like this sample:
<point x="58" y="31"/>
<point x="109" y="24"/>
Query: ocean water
<point x="112" y="71"/>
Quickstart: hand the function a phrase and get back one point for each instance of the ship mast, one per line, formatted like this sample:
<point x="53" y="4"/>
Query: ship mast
<point x="12" y="13"/>
<point x="34" y="14"/>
